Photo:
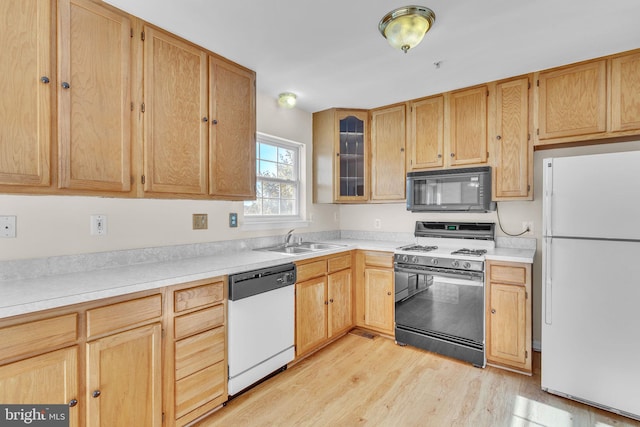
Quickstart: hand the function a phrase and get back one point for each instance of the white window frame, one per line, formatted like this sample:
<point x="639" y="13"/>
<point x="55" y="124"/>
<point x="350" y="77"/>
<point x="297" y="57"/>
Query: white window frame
<point x="265" y="222"/>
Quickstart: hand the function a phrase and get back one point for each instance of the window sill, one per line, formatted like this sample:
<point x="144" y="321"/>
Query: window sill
<point x="274" y="224"/>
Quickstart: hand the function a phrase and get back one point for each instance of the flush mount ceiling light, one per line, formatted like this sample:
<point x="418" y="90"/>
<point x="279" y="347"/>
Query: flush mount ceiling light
<point x="405" y="27"/>
<point x="287" y="100"/>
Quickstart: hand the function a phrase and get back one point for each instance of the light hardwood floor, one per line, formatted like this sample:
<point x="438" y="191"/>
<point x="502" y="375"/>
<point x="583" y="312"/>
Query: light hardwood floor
<point x="374" y="382"/>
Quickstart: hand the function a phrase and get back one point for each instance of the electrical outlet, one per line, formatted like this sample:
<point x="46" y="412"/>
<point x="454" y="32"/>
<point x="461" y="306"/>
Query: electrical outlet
<point x="200" y="222"/>
<point x="528" y="226"/>
<point x="8" y="226"/>
<point x="233" y="219"/>
<point x="376" y="223"/>
<point x="98" y="225"/>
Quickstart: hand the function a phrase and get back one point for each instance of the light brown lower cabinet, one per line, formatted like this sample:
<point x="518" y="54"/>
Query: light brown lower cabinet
<point x="374" y="291"/>
<point x="508" y="334"/>
<point x="150" y="359"/>
<point x="324" y="298"/>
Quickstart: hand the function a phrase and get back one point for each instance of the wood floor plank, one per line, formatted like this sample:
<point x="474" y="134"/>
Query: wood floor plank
<point x="358" y="381"/>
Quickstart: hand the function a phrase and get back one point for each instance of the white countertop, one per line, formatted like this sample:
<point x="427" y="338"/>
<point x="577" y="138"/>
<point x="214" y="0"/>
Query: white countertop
<point x="46" y="292"/>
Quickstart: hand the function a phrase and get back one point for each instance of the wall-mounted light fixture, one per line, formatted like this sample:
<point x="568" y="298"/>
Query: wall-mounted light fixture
<point x="287" y="100"/>
<point x="405" y="27"/>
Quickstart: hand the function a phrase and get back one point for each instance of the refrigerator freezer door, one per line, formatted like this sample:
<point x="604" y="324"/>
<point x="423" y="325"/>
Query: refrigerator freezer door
<point x="595" y="196"/>
<point x="590" y="348"/>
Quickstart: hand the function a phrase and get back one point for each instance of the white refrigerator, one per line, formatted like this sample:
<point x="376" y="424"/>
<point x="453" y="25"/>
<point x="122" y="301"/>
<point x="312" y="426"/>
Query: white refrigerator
<point x="591" y="280"/>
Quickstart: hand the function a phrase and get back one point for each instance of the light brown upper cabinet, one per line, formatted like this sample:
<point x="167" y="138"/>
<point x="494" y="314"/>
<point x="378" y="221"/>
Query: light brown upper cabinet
<point x="625" y="93"/>
<point x="232" y="131"/>
<point x="388" y="140"/>
<point x="467" y="123"/>
<point x="572" y="101"/>
<point x="176" y="121"/>
<point x="511" y="147"/>
<point x="27" y="90"/>
<point x="94" y="97"/>
<point x="340" y="156"/>
<point x="426" y="137"/>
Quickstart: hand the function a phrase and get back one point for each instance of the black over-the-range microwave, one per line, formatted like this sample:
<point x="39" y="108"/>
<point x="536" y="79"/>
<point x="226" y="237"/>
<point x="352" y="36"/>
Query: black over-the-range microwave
<point x="451" y="190"/>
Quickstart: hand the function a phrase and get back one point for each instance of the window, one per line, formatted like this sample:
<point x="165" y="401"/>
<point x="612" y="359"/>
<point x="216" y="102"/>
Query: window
<point x="277" y="180"/>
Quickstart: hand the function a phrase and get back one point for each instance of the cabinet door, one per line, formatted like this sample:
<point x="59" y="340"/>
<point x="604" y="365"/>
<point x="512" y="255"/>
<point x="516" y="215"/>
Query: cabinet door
<point x="94" y="97"/>
<point x="176" y="116"/>
<point x="511" y="159"/>
<point x="51" y="378"/>
<point x="625" y="93"/>
<point x="232" y="130"/>
<point x="378" y="299"/>
<point x="311" y="314"/>
<point x="427" y="133"/>
<point x="507" y="323"/>
<point x="124" y="379"/>
<point x="468" y="126"/>
<point x="26" y="85"/>
<point x="350" y="177"/>
<point x="572" y="101"/>
<point x="388" y="134"/>
<point x="340" y="302"/>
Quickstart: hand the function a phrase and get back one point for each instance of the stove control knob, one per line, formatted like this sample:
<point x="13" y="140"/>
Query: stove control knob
<point x="414" y="259"/>
<point x="434" y="261"/>
<point x="405" y="258"/>
<point x="466" y="265"/>
<point x="455" y="263"/>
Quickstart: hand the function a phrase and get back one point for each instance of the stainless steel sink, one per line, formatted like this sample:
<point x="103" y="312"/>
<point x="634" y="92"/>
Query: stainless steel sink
<point x="302" y="248"/>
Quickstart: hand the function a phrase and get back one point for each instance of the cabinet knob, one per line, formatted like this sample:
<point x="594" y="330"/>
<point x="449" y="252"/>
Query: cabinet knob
<point x="326" y="303"/>
<point x="453" y="155"/>
<point x="493" y="311"/>
<point x="44" y="79"/>
<point x="65" y="85"/>
<point x="337" y="154"/>
<point x="498" y="137"/>
<point x="402" y="150"/>
<point x="73" y="402"/>
<point x="388" y="293"/>
<point x="205" y="119"/>
<point x="439" y="156"/>
<point x="95" y="393"/>
<point x="331" y="300"/>
<point x="214" y="122"/>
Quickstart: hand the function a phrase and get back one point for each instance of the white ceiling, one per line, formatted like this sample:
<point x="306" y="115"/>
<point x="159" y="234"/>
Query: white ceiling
<point x="330" y="53"/>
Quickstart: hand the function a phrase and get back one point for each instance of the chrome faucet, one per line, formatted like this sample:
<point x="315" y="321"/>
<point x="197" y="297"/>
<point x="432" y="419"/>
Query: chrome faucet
<point x="287" y="237"/>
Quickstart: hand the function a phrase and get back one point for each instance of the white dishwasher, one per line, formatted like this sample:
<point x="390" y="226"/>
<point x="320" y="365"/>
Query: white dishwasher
<point x="261" y="324"/>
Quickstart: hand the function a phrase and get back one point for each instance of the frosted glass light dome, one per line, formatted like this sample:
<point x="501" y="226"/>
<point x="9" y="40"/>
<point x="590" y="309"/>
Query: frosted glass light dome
<point x="405" y="27"/>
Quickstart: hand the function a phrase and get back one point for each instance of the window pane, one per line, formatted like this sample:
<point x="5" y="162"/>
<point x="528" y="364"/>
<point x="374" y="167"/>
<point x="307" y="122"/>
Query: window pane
<point x="267" y="169"/>
<point x="258" y="189"/>
<point x="268" y="152"/>
<point x="252" y="207"/>
<point x="270" y="207"/>
<point x="270" y="189"/>
<point x="285" y="155"/>
<point x="287" y="207"/>
<point x="288" y="191"/>
<point x="285" y="171"/>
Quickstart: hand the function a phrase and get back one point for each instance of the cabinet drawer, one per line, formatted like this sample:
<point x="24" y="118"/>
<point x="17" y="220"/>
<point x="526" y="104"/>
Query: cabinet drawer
<point x="199" y="321"/>
<point x="311" y="270"/>
<point x="41" y="335"/>
<point x="199" y="351"/>
<point x="339" y="263"/>
<point x="128" y="313"/>
<point x="199" y="388"/>
<point x="508" y="274"/>
<point x="380" y="259"/>
<point x="198" y="296"/>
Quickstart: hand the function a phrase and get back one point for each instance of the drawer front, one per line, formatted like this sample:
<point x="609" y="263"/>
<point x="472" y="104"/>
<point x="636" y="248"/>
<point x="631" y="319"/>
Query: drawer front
<point x="199" y="351"/>
<point x="311" y="270"/>
<point x="508" y="274"/>
<point x="199" y="388"/>
<point x="199" y="321"/>
<point x="118" y="316"/>
<point x="41" y="335"/>
<point x="339" y="263"/>
<point x="198" y="296"/>
<point x="378" y="259"/>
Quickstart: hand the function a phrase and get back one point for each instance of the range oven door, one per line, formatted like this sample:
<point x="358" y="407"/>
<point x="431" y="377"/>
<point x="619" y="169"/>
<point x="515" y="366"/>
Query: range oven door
<point x="441" y="310"/>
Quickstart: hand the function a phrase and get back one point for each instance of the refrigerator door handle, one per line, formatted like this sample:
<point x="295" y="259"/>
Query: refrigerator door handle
<point x="548" y="193"/>
<point x="547" y="281"/>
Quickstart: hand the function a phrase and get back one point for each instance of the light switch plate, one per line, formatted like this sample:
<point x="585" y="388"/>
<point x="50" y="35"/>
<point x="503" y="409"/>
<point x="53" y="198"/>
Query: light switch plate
<point x="200" y="222"/>
<point x="233" y="219"/>
<point x="8" y="226"/>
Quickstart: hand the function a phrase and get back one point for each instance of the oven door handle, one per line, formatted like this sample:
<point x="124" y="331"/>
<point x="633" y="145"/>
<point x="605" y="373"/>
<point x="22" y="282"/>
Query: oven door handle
<point x="473" y="276"/>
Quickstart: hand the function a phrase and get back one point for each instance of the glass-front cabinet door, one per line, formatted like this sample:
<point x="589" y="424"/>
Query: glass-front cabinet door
<point x="351" y="156"/>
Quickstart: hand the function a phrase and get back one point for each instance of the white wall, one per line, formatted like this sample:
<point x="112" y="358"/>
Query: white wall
<point x="395" y="218"/>
<point x="59" y="225"/>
